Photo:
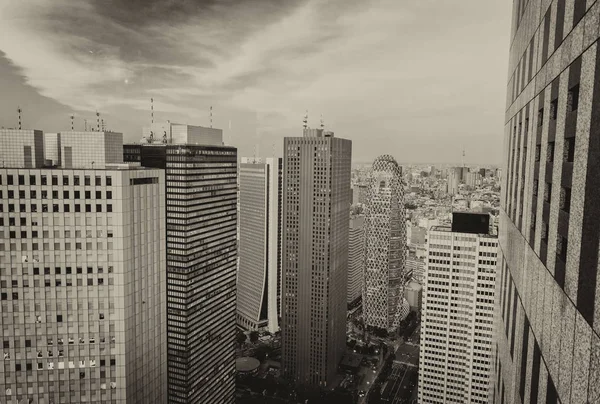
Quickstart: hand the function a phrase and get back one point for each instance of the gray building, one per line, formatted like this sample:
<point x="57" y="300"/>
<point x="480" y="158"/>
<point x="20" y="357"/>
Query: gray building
<point x="259" y="251"/>
<point x="548" y="307"/>
<point x="384" y="305"/>
<point x="316" y="207"/>
<point x="201" y="217"/>
<point x="83" y="278"/>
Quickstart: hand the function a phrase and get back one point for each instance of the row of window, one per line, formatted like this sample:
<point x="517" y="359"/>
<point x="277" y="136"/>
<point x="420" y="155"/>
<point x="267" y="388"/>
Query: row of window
<point x="43" y="180"/>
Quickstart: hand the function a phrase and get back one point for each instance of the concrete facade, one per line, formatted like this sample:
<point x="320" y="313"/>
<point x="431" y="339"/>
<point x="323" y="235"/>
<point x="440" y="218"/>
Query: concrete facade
<point x="316" y="207"/>
<point x="259" y="269"/>
<point x="548" y="306"/>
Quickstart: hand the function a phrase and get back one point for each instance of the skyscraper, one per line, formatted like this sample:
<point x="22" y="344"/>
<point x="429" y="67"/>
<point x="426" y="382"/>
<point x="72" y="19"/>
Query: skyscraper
<point x="384" y="305"/>
<point x="201" y="194"/>
<point x="356" y="258"/>
<point x="549" y="296"/>
<point x="316" y="207"/>
<point x="259" y="271"/>
<point x="457" y="323"/>
<point x="82" y="275"/>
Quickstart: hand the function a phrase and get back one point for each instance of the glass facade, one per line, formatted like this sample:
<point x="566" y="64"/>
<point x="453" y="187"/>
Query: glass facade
<point x="201" y="197"/>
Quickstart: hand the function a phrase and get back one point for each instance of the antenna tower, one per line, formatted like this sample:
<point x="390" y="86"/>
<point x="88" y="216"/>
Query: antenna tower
<point x="98" y="121"/>
<point x="211" y="116"/>
<point x="19" y="110"/>
<point x="152" y="109"/>
<point x="305" y="120"/>
<point x="72" y="122"/>
<point x="322" y="122"/>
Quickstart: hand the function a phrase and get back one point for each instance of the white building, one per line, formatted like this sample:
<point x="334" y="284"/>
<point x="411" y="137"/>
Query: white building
<point x="356" y="258"/>
<point x="83" y="280"/>
<point x="259" y="266"/>
<point x="457" y="328"/>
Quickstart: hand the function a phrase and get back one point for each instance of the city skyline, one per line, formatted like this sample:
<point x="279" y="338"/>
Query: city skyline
<point x="236" y="57"/>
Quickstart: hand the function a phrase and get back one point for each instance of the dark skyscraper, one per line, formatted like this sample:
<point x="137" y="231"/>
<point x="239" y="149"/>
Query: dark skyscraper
<point x="316" y="207"/>
<point x="201" y="213"/>
<point x="548" y="303"/>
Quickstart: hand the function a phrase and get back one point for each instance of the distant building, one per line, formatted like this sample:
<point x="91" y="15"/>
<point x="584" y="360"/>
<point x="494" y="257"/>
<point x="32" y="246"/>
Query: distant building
<point x="21" y="148"/>
<point x="356" y="258"/>
<point x="259" y="251"/>
<point x="176" y="133"/>
<point x="52" y="149"/>
<point x="316" y="207"/>
<point x="359" y="193"/>
<point x="83" y="273"/>
<point x="413" y="293"/>
<point x="415" y="266"/>
<point x="457" y="328"/>
<point x="385" y="245"/>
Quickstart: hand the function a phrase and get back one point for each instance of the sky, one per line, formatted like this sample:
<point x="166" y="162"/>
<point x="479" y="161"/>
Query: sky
<point x="419" y="80"/>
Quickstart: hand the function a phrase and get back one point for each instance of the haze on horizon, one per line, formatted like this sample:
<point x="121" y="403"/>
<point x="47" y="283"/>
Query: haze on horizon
<point x="420" y="80"/>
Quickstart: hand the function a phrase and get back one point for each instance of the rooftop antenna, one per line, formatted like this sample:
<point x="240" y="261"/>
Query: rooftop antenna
<point x="103" y="127"/>
<point x="322" y="122"/>
<point x="305" y="120"/>
<point x="85" y="124"/>
<point x="152" y="109"/>
<point x="254" y="154"/>
<point x="19" y="110"/>
<point x="211" y="116"/>
<point x="72" y="122"/>
<point x="98" y="121"/>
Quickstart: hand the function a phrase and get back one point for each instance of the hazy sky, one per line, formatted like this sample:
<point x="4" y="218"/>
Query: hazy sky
<point x="417" y="79"/>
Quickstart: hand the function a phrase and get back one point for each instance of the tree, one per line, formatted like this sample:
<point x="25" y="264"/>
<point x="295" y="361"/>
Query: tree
<point x="241" y="337"/>
<point x="254" y="336"/>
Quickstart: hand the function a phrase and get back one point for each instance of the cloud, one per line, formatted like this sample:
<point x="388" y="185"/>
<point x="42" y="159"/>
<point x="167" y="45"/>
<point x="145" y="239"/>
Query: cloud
<point x="401" y="68"/>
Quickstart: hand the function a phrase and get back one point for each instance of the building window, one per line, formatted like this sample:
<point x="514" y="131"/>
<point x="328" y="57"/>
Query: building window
<point x="544" y="231"/>
<point x="561" y="248"/>
<point x="86" y="180"/>
<point x="548" y="192"/>
<point x="573" y="99"/>
<point x="54" y="180"/>
<point x="550" y="152"/>
<point x="98" y="181"/>
<point x="541" y="117"/>
<point x="569" y="150"/>
<point x="565" y="199"/>
<point x="554" y="109"/>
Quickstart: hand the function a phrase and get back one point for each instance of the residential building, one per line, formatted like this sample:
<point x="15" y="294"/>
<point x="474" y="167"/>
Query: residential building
<point x="384" y="305"/>
<point x="201" y="216"/>
<point x="356" y="258"/>
<point x="259" y="270"/>
<point x="359" y="193"/>
<point x="457" y="320"/>
<point x="548" y="342"/>
<point x="316" y="207"/>
<point x="82" y="275"/>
